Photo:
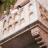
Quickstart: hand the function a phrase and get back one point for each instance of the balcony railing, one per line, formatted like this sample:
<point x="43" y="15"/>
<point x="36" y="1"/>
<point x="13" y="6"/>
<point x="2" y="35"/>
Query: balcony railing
<point x="18" y="19"/>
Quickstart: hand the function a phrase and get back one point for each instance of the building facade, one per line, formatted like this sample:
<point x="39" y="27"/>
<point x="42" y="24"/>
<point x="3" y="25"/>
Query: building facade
<point x="26" y="26"/>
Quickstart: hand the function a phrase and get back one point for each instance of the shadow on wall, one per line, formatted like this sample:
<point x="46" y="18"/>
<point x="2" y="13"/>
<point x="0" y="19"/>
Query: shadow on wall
<point x="24" y="40"/>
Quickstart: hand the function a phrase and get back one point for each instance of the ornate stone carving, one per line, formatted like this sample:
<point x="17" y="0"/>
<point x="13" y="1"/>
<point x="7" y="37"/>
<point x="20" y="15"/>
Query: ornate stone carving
<point x="35" y="31"/>
<point x="44" y="12"/>
<point x="40" y="37"/>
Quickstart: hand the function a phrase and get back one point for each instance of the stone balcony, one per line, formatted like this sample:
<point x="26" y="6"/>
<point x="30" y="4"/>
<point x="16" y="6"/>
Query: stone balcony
<point x="22" y="19"/>
<point x="18" y="19"/>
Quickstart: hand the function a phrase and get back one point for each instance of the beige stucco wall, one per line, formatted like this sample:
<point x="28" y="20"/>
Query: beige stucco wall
<point x="44" y="3"/>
